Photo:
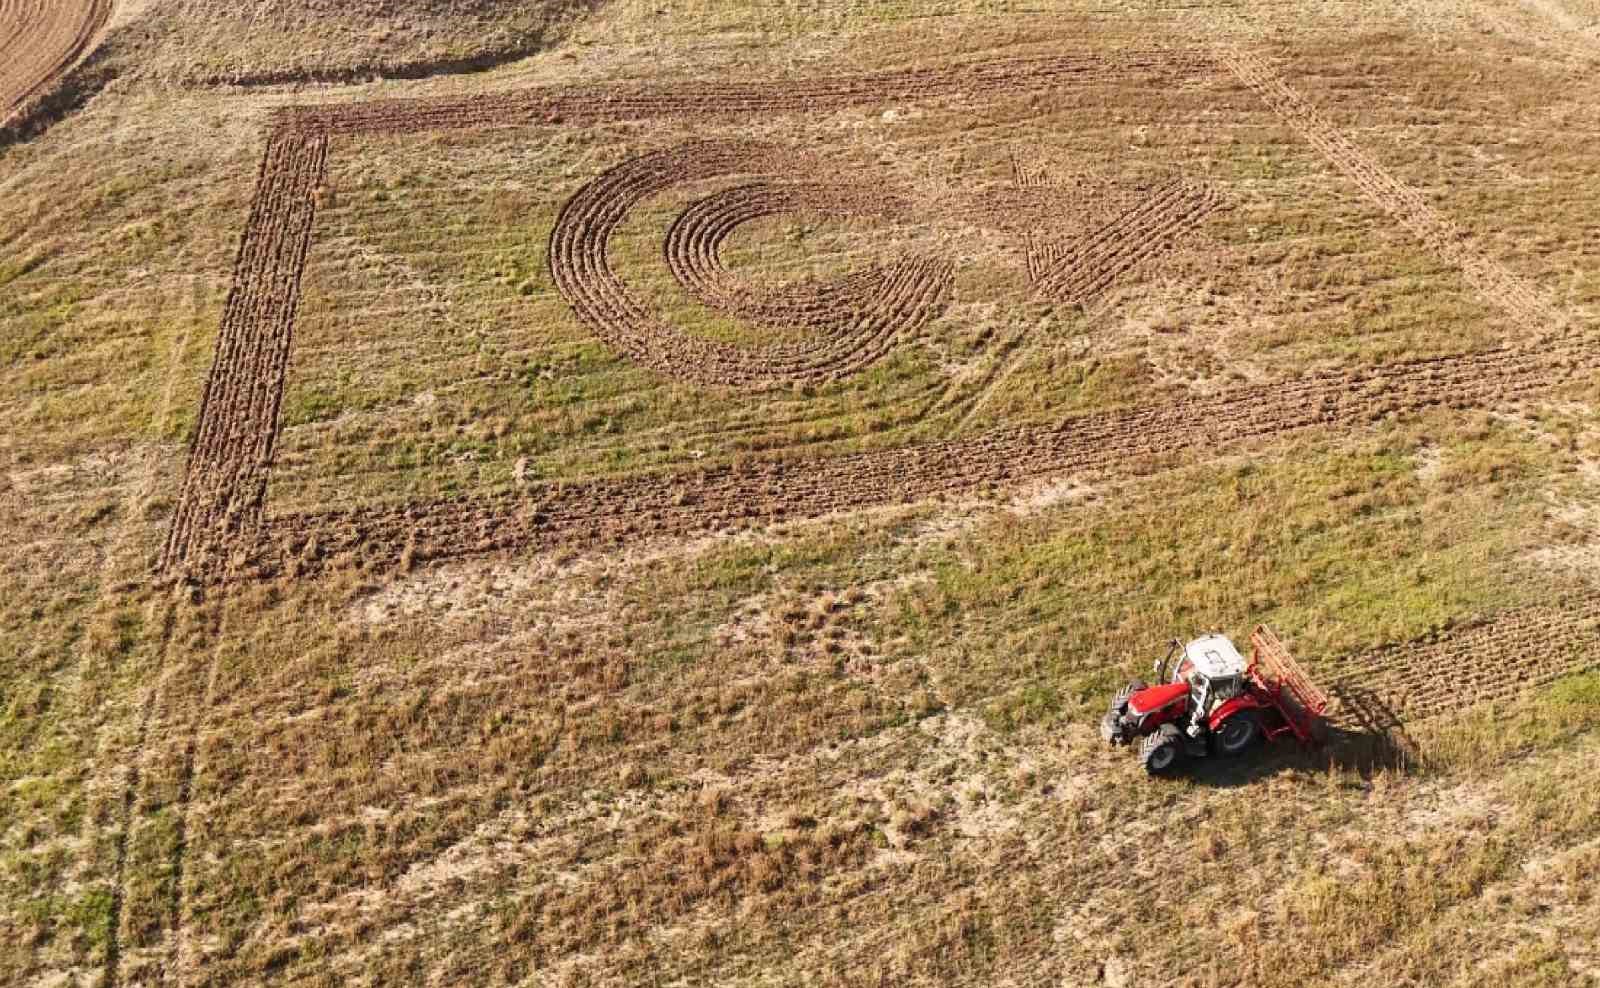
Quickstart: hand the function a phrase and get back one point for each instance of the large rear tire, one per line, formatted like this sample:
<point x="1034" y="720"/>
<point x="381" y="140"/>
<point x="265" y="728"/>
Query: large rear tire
<point x="1239" y="732"/>
<point x="1161" y="752"/>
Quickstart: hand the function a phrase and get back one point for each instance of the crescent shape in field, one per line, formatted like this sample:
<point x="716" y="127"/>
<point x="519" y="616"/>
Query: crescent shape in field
<point x="855" y="320"/>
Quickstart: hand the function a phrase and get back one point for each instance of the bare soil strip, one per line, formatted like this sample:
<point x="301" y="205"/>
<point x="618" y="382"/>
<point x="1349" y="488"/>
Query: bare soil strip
<point x="859" y="317"/>
<point x="40" y="40"/>
<point x="1499" y="286"/>
<point x="614" y="512"/>
<point x="1498" y="660"/>
<point x="224" y="486"/>
<point x="225" y="481"/>
<point x="564" y="105"/>
<point x="1079" y="272"/>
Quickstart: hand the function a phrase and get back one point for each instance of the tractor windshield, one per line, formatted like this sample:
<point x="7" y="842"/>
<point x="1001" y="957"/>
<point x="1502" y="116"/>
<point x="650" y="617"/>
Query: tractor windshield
<point x="1205" y="692"/>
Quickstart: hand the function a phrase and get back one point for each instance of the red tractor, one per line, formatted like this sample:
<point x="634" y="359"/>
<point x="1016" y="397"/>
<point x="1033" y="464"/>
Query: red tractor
<point x="1215" y="703"/>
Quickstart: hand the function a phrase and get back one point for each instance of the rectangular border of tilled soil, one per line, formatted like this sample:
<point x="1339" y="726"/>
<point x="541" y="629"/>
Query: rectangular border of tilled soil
<point x="221" y="530"/>
<point x="222" y="502"/>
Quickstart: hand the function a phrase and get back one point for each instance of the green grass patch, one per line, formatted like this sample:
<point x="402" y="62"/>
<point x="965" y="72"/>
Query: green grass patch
<point x="1340" y="550"/>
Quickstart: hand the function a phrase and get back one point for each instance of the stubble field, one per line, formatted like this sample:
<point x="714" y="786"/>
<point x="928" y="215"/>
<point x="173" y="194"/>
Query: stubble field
<point x="661" y="494"/>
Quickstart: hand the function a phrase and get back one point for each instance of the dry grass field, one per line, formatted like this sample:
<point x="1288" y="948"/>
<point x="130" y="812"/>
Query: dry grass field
<point x="659" y="493"/>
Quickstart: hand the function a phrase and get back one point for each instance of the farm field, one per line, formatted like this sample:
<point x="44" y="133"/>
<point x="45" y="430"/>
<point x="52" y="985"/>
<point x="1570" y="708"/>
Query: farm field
<point x="47" y="38"/>
<point x="620" y="493"/>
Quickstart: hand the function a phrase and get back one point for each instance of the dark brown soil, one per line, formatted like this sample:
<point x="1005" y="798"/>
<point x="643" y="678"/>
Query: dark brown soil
<point x="857" y="319"/>
<point x="619" y="512"/>
<point x="225" y="482"/>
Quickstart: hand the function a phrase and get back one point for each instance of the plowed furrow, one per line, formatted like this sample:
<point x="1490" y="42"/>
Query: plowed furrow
<point x="221" y="502"/>
<point x="1079" y="272"/>
<point x="602" y="103"/>
<point x="859" y="316"/>
<point x="694" y="253"/>
<point x="620" y="511"/>
<point x="40" y="40"/>
<point x="1498" y="285"/>
<point x="225" y="481"/>
<point x="1489" y="662"/>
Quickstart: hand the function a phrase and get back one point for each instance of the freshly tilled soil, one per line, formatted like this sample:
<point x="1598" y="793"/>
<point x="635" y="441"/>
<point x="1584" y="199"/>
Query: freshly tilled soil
<point x="220" y="513"/>
<point x="225" y="482"/>
<point x="1079" y="272"/>
<point x="594" y="104"/>
<point x="40" y="40"/>
<point x="694" y="253"/>
<point x="1497" y="660"/>
<point x="619" y="512"/>
<point x="1500" y="286"/>
<point x="858" y="318"/>
<point x="224" y="487"/>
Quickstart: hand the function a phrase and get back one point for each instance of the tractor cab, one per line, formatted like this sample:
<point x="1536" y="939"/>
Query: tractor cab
<point x="1191" y="681"/>
<point x="1210" y="666"/>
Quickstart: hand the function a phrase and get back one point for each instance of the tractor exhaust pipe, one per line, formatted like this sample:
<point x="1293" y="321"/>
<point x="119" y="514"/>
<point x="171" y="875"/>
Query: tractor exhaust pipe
<point x="1161" y="663"/>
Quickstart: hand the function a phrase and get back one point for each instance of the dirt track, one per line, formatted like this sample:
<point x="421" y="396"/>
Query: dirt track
<point x="225" y="481"/>
<point x="632" y="509"/>
<point x="694" y="252"/>
<point x="39" y="41"/>
<point x="1383" y="694"/>
<point x="859" y="318"/>
<point x="985" y="80"/>
<point x="1493" y="661"/>
<point x="1499" y="286"/>
<point x="1078" y="272"/>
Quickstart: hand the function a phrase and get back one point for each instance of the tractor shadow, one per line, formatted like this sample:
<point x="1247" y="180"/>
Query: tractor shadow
<point x="1364" y="736"/>
<point x="1367" y="735"/>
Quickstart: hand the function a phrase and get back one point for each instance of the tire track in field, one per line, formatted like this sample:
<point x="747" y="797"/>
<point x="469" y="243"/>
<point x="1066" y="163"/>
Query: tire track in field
<point x="1489" y="662"/>
<point x="121" y="548"/>
<point x="1499" y="286"/>
<point x="621" y="511"/>
<point x="856" y="313"/>
<point x="860" y="316"/>
<point x="591" y="104"/>
<point x="1575" y="628"/>
<point x="1007" y="356"/>
<point x="172" y="968"/>
<point x="221" y="505"/>
<point x="1118" y="851"/>
<point x="112" y="972"/>
<point x="1077" y="273"/>
<point x="225" y="480"/>
<point x="40" y="41"/>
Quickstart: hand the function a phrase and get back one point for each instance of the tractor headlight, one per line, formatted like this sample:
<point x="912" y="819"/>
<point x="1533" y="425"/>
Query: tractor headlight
<point x="1112" y="730"/>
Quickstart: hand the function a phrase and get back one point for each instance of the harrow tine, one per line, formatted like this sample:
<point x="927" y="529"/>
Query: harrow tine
<point x="1300" y="700"/>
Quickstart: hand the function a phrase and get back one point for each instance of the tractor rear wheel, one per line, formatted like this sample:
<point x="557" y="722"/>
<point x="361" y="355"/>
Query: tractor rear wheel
<point x="1238" y="732"/>
<point x="1160" y="752"/>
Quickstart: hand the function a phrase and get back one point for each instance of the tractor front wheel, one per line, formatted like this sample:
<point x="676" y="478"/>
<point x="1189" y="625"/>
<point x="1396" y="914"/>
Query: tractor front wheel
<point x="1160" y="752"/>
<point x="1238" y="732"/>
